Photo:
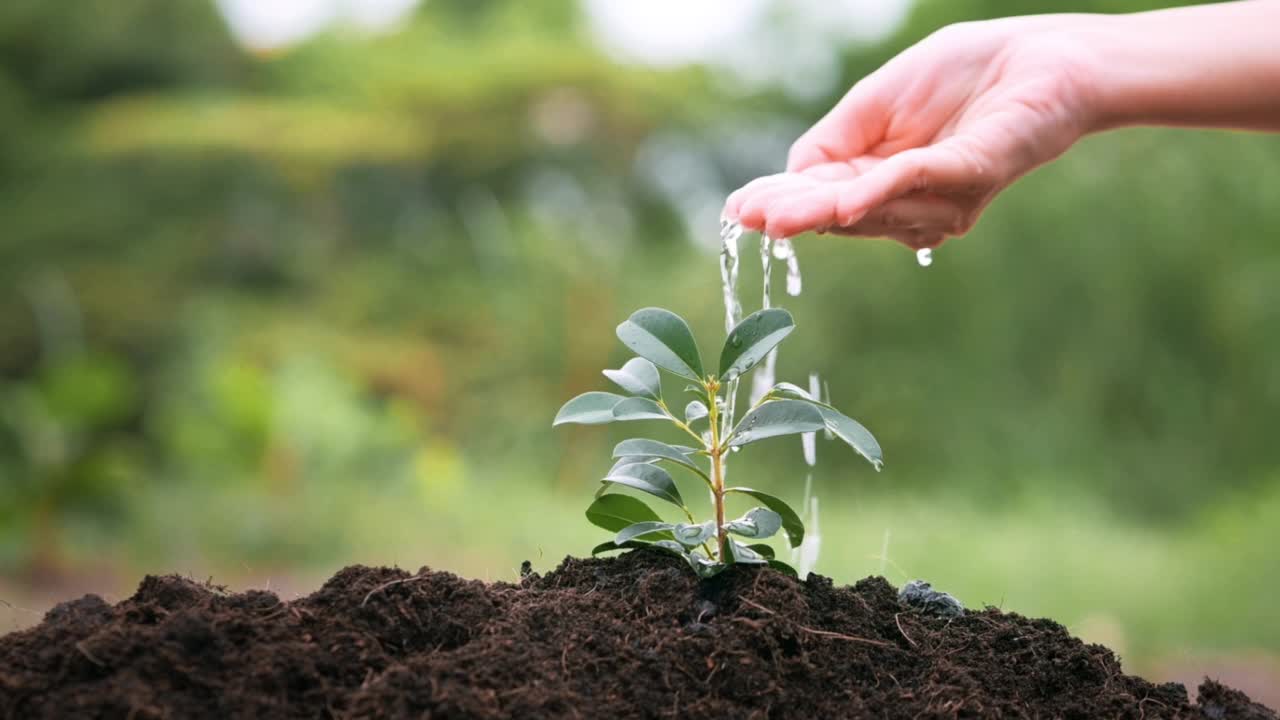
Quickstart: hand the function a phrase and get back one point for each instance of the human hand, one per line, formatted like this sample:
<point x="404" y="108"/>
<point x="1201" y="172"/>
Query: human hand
<point x="917" y="149"/>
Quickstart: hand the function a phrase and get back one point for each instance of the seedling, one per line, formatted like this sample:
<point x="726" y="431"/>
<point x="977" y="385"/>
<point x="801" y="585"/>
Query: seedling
<point x="662" y="340"/>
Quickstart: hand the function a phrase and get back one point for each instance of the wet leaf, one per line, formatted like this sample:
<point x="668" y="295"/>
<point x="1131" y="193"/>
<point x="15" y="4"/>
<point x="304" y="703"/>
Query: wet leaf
<point x="696" y="410"/>
<point x="791" y="522"/>
<point x="593" y="408"/>
<point x="664" y="338"/>
<point x="838" y="424"/>
<point x="647" y="478"/>
<point x="777" y="417"/>
<point x="643" y="448"/>
<point x="638" y="377"/>
<point x="783" y="568"/>
<point x="694" y="535"/>
<point x="632" y="460"/>
<point x="791" y="390"/>
<point x="752" y="339"/>
<point x="640" y="529"/>
<point x="745" y="555"/>
<point x="852" y="432"/>
<point x="763" y="549"/>
<point x="638" y="408"/>
<point x="614" y="512"/>
<point x="610" y="546"/>
<point x="758" y="524"/>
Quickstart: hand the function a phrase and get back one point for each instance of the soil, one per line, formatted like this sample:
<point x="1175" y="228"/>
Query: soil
<point x="632" y="636"/>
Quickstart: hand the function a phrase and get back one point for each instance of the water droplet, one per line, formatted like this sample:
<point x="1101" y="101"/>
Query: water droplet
<point x="745" y="438"/>
<point x="924" y="256"/>
<point x="735" y="341"/>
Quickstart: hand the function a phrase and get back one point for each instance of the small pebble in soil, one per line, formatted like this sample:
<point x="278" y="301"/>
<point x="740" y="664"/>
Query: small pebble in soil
<point x="921" y="595"/>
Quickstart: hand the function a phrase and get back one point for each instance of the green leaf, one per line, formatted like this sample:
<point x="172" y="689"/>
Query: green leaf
<point x="745" y="555"/>
<point x="752" y="339"/>
<point x="664" y="338"/>
<point x="696" y="410"/>
<point x="669" y="545"/>
<point x="593" y="408"/>
<point x="791" y="522"/>
<point x="838" y="424"/>
<point x="703" y="566"/>
<point x="758" y="524"/>
<point x="777" y="417"/>
<point x="647" y="478"/>
<point x="630" y="461"/>
<point x="638" y="377"/>
<point x="643" y="448"/>
<point x="694" y="535"/>
<point x="783" y="568"/>
<point x="610" y="546"/>
<point x="763" y="549"/>
<point x="614" y="512"/>
<point x="638" y="408"/>
<point x="791" y="390"/>
<point x="640" y="529"/>
<point x="852" y="432"/>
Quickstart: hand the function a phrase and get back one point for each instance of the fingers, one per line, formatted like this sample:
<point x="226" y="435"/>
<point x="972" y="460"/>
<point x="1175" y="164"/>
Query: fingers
<point x="946" y="168"/>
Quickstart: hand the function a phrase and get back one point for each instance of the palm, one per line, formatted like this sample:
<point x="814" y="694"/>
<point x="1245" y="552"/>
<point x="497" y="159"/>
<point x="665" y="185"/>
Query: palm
<point x="917" y="149"/>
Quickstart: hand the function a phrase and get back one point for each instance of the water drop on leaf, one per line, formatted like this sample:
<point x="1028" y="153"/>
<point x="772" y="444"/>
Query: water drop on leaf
<point x="924" y="256"/>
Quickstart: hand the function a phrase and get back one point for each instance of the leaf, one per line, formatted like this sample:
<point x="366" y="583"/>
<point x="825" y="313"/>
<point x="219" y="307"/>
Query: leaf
<point x="647" y="478"/>
<point x="777" y="417"/>
<point x="758" y="524"/>
<point x="694" y="535"/>
<point x="593" y="408"/>
<point x="837" y="423"/>
<point x="703" y="566"/>
<point x="783" y="568"/>
<point x="632" y="460"/>
<point x="640" y="529"/>
<point x="614" y="512"/>
<point x="745" y="555"/>
<point x="670" y="546"/>
<point x="696" y="410"/>
<point x="791" y="522"/>
<point x="664" y="338"/>
<point x="610" y="546"/>
<point x="791" y="390"/>
<point x="763" y="549"/>
<point x="638" y="408"/>
<point x="852" y="432"/>
<point x="752" y="339"/>
<point x="638" y="377"/>
<point x="641" y="447"/>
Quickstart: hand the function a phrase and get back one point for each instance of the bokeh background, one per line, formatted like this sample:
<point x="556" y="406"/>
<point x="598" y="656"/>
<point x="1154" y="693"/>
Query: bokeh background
<point x="295" y="284"/>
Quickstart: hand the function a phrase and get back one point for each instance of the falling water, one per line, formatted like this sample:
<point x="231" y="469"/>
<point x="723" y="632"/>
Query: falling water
<point x="809" y="441"/>
<point x="785" y="251"/>
<point x="762" y="381"/>
<point x="730" y="234"/>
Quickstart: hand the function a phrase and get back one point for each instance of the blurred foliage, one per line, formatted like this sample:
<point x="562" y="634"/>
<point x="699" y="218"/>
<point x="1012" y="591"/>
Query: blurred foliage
<point x="265" y="307"/>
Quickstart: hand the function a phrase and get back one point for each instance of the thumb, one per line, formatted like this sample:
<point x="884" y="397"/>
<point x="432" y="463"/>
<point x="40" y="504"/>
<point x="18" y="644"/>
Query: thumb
<point x="855" y="124"/>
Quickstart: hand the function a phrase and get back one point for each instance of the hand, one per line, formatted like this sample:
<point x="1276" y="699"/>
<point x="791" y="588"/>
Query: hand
<point x="917" y="149"/>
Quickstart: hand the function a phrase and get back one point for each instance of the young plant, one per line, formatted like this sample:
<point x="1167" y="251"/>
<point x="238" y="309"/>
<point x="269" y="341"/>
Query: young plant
<point x="662" y="340"/>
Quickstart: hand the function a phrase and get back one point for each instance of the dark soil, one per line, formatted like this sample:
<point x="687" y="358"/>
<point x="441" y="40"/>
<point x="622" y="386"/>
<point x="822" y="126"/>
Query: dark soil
<point x="634" y="636"/>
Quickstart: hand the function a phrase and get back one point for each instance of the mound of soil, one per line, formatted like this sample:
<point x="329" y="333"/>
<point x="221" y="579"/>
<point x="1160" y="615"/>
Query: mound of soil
<point x="633" y="636"/>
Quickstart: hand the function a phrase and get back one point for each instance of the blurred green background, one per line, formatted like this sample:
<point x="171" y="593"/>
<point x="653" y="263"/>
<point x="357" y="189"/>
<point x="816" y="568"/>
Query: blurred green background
<point x="286" y="286"/>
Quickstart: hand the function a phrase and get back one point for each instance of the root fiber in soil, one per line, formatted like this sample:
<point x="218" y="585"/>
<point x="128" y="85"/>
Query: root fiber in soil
<point x="632" y="636"/>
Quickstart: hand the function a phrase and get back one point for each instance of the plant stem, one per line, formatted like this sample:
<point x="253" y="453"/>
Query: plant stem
<point x="717" y="471"/>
